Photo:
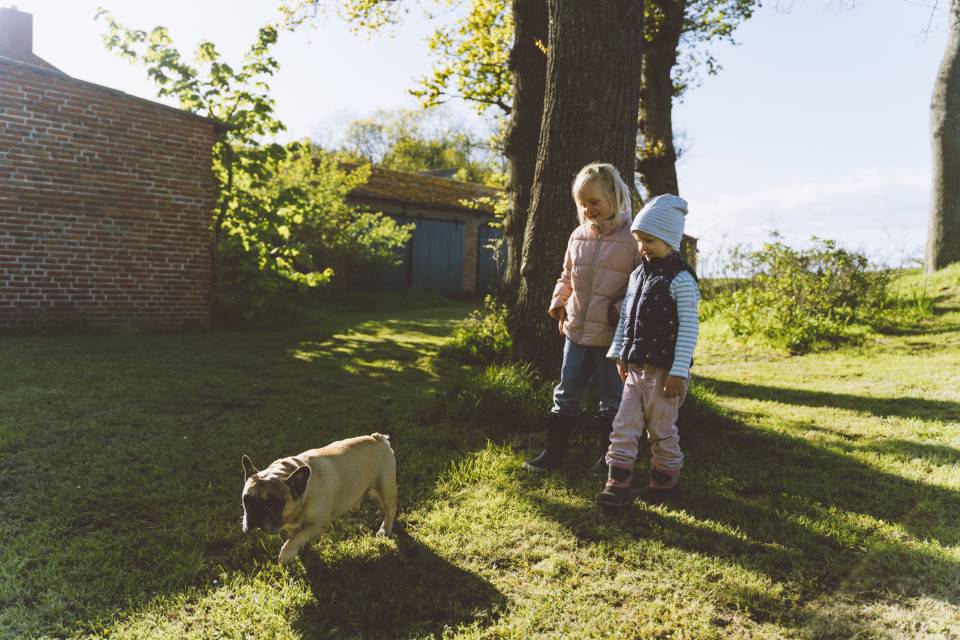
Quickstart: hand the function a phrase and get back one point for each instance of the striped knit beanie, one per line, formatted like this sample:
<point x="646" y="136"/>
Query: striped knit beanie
<point x="663" y="217"/>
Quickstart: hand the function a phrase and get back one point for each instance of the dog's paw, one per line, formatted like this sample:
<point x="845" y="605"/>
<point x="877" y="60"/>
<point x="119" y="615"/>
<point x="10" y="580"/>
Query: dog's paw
<point x="288" y="553"/>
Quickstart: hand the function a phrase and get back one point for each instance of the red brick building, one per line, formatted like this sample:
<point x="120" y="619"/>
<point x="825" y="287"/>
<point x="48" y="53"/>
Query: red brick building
<point x="105" y="201"/>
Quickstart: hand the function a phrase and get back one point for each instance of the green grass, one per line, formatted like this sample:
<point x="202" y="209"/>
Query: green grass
<point x="821" y="493"/>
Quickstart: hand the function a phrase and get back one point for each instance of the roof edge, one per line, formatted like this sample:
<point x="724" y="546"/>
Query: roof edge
<point x="52" y="71"/>
<point x="459" y="209"/>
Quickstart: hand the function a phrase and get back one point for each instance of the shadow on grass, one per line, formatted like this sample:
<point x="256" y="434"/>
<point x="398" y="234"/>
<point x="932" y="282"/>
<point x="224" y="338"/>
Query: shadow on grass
<point x="883" y="407"/>
<point x="806" y="516"/>
<point x="898" y="448"/>
<point x="403" y="593"/>
<point x="908" y="451"/>
<point x="138" y="440"/>
<point x="916" y="329"/>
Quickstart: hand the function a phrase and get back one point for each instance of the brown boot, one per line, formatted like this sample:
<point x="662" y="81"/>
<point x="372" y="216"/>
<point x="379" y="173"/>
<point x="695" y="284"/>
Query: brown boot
<point x="664" y="484"/>
<point x="616" y="494"/>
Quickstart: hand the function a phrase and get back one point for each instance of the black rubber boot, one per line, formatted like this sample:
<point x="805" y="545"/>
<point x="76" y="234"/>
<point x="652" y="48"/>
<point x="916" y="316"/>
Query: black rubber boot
<point x="616" y="494"/>
<point x="604" y="429"/>
<point x="559" y="429"/>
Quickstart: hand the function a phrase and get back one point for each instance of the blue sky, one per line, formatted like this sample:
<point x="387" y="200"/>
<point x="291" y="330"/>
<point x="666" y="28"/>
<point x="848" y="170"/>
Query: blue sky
<point x="818" y="123"/>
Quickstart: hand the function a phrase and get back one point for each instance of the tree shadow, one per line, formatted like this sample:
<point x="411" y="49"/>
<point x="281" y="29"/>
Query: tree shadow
<point x="898" y="448"/>
<point x="916" y="330"/>
<point x="884" y="407"/>
<point x="145" y="500"/>
<point x="786" y="508"/>
<point x="909" y="451"/>
<point x="405" y="591"/>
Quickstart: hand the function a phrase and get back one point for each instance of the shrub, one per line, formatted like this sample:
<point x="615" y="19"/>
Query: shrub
<point x="802" y="299"/>
<point x="281" y="221"/>
<point x="293" y="232"/>
<point x="483" y="335"/>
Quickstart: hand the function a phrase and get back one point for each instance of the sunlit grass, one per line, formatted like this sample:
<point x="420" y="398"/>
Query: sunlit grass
<point x="820" y="494"/>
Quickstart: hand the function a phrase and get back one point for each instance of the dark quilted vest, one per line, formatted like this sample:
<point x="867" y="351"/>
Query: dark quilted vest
<point x="650" y="328"/>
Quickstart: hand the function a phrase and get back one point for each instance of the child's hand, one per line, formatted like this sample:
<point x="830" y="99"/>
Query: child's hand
<point x="673" y="386"/>
<point x="622" y="370"/>
<point x="560" y="313"/>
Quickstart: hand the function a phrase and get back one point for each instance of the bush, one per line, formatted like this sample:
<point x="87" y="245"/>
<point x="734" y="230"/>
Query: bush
<point x="483" y="335"/>
<point x="802" y="299"/>
<point x="293" y="231"/>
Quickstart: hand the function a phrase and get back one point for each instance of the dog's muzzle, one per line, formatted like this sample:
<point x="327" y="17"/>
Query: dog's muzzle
<point x="262" y="514"/>
<point x="266" y="523"/>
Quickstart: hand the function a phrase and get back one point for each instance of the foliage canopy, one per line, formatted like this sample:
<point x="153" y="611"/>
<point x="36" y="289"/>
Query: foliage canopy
<point x="281" y="217"/>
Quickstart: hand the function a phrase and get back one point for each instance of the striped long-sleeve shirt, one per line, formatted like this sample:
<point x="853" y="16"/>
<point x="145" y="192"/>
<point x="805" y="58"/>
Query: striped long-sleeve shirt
<point x="686" y="294"/>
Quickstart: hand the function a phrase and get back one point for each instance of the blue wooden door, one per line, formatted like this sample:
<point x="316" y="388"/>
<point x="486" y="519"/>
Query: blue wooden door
<point x="489" y="269"/>
<point x="437" y="255"/>
<point x="392" y="277"/>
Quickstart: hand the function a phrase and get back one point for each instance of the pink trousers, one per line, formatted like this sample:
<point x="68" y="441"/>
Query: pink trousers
<point x="644" y="407"/>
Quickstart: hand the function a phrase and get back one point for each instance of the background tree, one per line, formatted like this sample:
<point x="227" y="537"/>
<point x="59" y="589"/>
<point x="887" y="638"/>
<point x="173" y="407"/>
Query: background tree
<point x="280" y="209"/>
<point x="656" y="154"/>
<point x="425" y="140"/>
<point x="473" y="58"/>
<point x="676" y="57"/>
<point x="581" y="101"/>
<point x="677" y="34"/>
<point x="528" y="66"/>
<point x="237" y="98"/>
<point x="469" y="65"/>
<point x="943" y="235"/>
<point x="493" y="57"/>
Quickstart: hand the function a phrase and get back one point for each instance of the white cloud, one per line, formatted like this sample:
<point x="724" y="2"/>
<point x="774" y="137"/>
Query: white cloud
<point x="881" y="212"/>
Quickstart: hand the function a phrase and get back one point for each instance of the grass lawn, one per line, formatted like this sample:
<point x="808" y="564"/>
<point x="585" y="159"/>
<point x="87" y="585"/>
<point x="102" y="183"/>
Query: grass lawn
<point x="821" y="493"/>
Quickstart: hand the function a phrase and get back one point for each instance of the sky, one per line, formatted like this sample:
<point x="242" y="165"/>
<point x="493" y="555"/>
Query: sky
<point x="817" y="124"/>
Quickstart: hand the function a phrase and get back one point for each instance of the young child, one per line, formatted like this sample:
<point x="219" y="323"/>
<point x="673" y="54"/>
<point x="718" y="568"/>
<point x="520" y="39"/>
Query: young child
<point x="600" y="255"/>
<point x="653" y="347"/>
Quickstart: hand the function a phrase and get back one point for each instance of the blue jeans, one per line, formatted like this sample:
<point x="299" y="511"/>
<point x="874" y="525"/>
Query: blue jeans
<point x="581" y="365"/>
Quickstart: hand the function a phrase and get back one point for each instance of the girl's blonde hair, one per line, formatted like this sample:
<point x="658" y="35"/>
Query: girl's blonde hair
<point x="613" y="186"/>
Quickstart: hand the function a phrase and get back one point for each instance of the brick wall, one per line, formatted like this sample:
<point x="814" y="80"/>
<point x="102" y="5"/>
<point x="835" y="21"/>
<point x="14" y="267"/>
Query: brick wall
<point x="105" y="205"/>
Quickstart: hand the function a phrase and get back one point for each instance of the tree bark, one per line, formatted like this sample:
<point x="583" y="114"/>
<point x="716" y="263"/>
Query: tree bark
<point x="656" y="156"/>
<point x="943" y="234"/>
<point x="529" y="66"/>
<point x="590" y="114"/>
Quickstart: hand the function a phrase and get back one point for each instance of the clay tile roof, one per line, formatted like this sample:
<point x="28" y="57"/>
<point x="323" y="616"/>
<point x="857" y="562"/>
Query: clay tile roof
<point x="415" y="188"/>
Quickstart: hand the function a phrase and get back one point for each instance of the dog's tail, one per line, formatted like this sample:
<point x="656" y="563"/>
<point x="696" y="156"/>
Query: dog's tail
<point x="382" y="437"/>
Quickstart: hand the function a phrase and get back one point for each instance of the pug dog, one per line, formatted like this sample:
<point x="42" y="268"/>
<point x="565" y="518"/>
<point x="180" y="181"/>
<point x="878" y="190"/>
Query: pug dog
<point x="302" y="494"/>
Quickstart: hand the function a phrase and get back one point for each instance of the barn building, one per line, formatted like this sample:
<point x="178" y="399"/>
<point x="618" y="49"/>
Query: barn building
<point x="105" y="201"/>
<point x="449" y="250"/>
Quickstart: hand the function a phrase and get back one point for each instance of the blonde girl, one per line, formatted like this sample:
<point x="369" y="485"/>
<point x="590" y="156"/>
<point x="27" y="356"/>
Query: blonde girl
<point x="600" y="256"/>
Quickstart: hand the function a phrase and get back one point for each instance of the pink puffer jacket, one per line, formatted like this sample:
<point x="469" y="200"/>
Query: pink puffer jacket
<point x="599" y="260"/>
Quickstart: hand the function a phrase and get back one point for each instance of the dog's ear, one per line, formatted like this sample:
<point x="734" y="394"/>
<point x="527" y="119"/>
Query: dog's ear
<point x="298" y="480"/>
<point x="248" y="468"/>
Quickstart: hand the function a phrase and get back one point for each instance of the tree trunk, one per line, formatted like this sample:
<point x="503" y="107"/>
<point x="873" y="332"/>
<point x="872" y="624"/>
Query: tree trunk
<point x="590" y="114"/>
<point x="656" y="156"/>
<point x="529" y="66"/>
<point x="943" y="235"/>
